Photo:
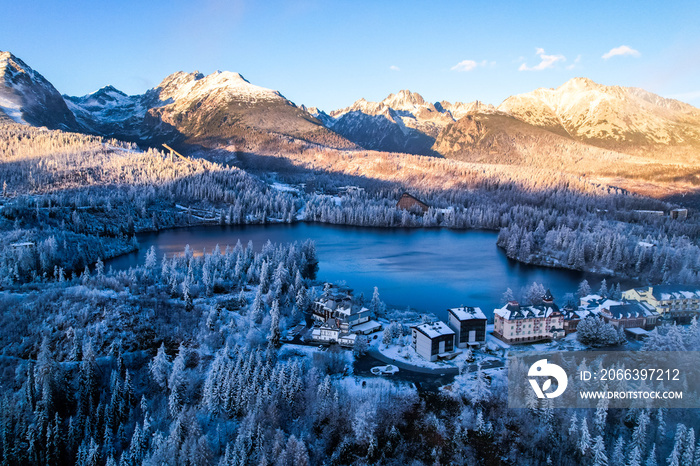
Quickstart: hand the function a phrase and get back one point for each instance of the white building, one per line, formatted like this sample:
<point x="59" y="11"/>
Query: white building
<point x="434" y="341"/>
<point x="469" y="325"/>
<point x="622" y="313"/>
<point x="340" y="320"/>
<point x="523" y="324"/>
<point x="679" y="303"/>
<point x="326" y="332"/>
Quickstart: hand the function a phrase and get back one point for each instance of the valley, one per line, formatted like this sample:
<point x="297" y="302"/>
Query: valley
<point x="135" y="327"/>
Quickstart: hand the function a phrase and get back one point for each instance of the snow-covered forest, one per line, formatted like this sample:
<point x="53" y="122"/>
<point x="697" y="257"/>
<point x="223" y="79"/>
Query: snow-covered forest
<point x="180" y="361"/>
<point x="79" y="198"/>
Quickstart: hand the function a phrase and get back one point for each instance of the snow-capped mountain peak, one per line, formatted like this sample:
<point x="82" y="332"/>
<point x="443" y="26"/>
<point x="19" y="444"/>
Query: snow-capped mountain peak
<point x="404" y="100"/>
<point x="27" y="97"/>
<point x="183" y="87"/>
<point x="583" y="109"/>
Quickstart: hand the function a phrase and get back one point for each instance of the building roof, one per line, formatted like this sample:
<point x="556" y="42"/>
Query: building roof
<point x="669" y="292"/>
<point x="365" y="326"/>
<point x="620" y="309"/>
<point x="573" y="313"/>
<point x="630" y="310"/>
<point x="407" y="201"/>
<point x="435" y="329"/>
<point x="467" y="313"/>
<point x="513" y="311"/>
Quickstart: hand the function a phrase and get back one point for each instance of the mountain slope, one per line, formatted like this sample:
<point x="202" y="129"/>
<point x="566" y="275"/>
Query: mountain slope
<point x="27" y="97"/>
<point x="608" y="116"/>
<point x="501" y="138"/>
<point x="190" y="109"/>
<point x="623" y="136"/>
<point x="403" y="122"/>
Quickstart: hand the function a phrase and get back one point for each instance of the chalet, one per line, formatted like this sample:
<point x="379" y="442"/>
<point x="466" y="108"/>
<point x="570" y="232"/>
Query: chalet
<point x="673" y="302"/>
<point x="408" y="202"/>
<point x="519" y="324"/>
<point x="434" y="341"/>
<point x="469" y="325"/>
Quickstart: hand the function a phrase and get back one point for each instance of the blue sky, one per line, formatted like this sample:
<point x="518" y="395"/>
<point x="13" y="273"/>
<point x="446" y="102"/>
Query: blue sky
<point x="329" y="54"/>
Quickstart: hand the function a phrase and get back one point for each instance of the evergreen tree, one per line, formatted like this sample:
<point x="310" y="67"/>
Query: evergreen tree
<point x="507" y="296"/>
<point x="274" y="336"/>
<point x="598" y="452"/>
<point x="160" y="367"/>
<point x="584" y="289"/>
<point x="178" y="384"/>
<point x="651" y="459"/>
<point x="584" y="442"/>
<point x="618" y="456"/>
<point x="376" y="306"/>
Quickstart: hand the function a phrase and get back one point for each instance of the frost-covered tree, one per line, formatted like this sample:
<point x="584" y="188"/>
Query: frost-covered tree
<point x="178" y="384"/>
<point x="257" y="308"/>
<point x="618" y="455"/>
<point x="635" y="457"/>
<point x="599" y="458"/>
<point x="160" y="367"/>
<point x="376" y="305"/>
<point x="361" y="346"/>
<point x="274" y="336"/>
<point x="584" y="441"/>
<point x="593" y="331"/>
<point x="151" y="260"/>
<point x="603" y="290"/>
<point x="535" y="293"/>
<point x="507" y="296"/>
<point x="601" y="415"/>
<point x="651" y="459"/>
<point x="689" y="447"/>
<point x="584" y="289"/>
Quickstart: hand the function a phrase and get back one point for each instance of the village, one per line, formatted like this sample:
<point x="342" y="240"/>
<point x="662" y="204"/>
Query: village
<point x="467" y="335"/>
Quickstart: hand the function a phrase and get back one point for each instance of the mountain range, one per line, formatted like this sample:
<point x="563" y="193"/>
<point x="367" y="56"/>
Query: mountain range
<point x="579" y="124"/>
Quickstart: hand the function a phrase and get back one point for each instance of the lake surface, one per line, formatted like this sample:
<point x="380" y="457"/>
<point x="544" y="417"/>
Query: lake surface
<point x="429" y="270"/>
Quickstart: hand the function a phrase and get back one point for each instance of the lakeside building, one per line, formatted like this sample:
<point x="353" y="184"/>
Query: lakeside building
<point x="514" y="323"/>
<point x="572" y="316"/>
<point x="341" y="321"/>
<point x="624" y="313"/>
<point x="469" y="325"/>
<point x="434" y="341"/>
<point x="679" y="303"/>
<point x="408" y="202"/>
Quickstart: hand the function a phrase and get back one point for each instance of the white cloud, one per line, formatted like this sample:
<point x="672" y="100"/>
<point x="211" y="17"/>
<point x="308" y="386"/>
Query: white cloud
<point x="547" y="61"/>
<point x="394" y="68"/>
<point x="468" y="65"/>
<point x="576" y="62"/>
<point x="621" y="51"/>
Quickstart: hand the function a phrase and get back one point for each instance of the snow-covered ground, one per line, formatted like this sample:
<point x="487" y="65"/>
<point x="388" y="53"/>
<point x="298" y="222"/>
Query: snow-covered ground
<point x="284" y="187"/>
<point x="407" y="355"/>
